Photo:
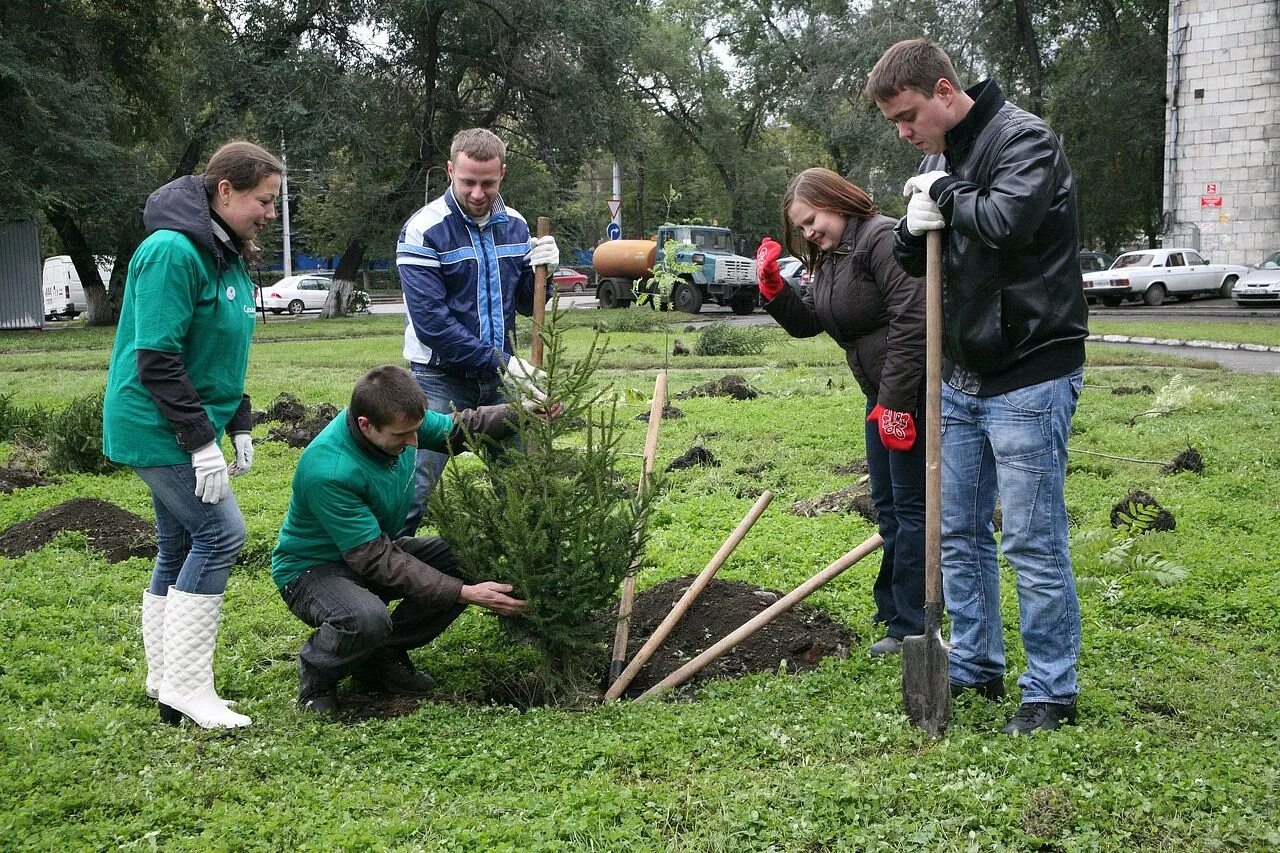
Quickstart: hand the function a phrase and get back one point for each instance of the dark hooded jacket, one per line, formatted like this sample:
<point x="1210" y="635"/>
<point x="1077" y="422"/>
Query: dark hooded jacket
<point x="862" y="298"/>
<point x="1013" y="300"/>
<point x="182" y="205"/>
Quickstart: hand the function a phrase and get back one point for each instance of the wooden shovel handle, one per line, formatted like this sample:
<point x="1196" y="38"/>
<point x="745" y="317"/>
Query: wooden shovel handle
<point x="539" y="296"/>
<point x="933" y="421"/>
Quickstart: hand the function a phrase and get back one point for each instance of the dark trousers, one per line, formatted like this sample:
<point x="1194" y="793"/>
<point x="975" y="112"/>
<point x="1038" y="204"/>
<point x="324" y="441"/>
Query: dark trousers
<point x="351" y="618"/>
<point x="897" y="490"/>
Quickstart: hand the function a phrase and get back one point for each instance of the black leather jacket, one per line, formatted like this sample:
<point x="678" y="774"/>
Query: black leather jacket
<point x="1013" y="300"/>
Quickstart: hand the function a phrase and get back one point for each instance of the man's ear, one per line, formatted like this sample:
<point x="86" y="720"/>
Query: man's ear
<point x="943" y="89"/>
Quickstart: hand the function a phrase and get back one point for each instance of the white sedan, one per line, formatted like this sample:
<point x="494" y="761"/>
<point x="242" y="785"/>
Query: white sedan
<point x="1151" y="275"/>
<point x="305" y="292"/>
<point x="1260" y="287"/>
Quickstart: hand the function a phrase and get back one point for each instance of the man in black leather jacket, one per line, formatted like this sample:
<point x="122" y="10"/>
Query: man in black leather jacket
<point x="996" y="181"/>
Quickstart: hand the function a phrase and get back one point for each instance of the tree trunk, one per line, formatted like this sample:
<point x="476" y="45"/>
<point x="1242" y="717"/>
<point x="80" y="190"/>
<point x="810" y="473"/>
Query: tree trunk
<point x="1027" y="35"/>
<point x="344" y="281"/>
<point x="95" y="292"/>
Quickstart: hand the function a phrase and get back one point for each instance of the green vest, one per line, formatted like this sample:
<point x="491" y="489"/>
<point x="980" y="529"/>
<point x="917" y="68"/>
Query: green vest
<point x="176" y="301"/>
<point x="344" y="496"/>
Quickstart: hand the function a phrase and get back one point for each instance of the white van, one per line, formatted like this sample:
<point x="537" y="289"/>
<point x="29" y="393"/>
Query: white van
<point x="63" y="293"/>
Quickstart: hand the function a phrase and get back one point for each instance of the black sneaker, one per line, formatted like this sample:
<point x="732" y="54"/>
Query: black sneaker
<point x="393" y="672"/>
<point x="993" y="689"/>
<point x="316" y="694"/>
<point x="1040" y="716"/>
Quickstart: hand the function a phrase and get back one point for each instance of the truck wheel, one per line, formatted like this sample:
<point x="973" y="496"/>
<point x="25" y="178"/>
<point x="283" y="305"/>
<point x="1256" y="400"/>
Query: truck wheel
<point x="743" y="303"/>
<point x="607" y="295"/>
<point x="686" y="298"/>
<point x="1154" y="295"/>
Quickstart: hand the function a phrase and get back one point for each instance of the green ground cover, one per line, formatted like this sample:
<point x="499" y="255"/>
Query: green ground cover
<point x="1179" y="726"/>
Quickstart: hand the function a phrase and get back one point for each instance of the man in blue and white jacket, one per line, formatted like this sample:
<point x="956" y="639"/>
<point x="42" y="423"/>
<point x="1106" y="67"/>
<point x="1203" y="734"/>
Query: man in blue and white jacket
<point x="466" y="266"/>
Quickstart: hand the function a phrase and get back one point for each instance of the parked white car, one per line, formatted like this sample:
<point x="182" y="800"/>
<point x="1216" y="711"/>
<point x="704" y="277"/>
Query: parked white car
<point x="305" y="292"/>
<point x="1153" y="274"/>
<point x="1260" y="287"/>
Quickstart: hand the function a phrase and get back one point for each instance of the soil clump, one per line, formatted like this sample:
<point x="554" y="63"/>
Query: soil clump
<point x="1140" y="512"/>
<point x="1188" y="460"/>
<point x="117" y="533"/>
<point x="695" y="457"/>
<point x="726" y="386"/>
<point x="12" y="479"/>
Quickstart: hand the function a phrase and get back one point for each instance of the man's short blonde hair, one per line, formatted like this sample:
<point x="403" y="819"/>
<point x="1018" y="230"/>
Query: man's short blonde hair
<point x="478" y="144"/>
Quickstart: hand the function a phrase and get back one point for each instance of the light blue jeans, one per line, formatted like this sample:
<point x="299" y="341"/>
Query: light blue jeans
<point x="446" y="392"/>
<point x="1013" y="445"/>
<point x="197" y="543"/>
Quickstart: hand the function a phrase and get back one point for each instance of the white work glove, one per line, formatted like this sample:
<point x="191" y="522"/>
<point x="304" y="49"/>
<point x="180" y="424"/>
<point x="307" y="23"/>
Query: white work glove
<point x="543" y="251"/>
<point x="527" y="377"/>
<point x="243" y="443"/>
<point x="922" y="211"/>
<point x="211" y="473"/>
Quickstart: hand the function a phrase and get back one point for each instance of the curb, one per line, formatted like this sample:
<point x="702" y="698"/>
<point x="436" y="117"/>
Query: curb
<point x="1177" y="342"/>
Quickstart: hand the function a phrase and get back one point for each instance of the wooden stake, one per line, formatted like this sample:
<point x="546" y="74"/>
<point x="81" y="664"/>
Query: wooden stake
<point x="686" y="601"/>
<point x="540" y="296"/>
<point x="773" y="611"/>
<point x="629" y="583"/>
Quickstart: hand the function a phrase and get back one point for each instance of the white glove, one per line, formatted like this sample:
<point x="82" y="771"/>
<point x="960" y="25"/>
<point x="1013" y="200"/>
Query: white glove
<point x="243" y="443"/>
<point x="211" y="473"/>
<point x="922" y="211"/>
<point x="543" y="251"/>
<point x="922" y="183"/>
<point x="527" y="377"/>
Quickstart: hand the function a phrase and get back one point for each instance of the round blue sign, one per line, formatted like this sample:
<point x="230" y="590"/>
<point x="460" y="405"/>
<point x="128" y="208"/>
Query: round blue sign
<point x="614" y="231"/>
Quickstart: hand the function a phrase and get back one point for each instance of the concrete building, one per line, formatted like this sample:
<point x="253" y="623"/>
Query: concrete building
<point x="1222" y="129"/>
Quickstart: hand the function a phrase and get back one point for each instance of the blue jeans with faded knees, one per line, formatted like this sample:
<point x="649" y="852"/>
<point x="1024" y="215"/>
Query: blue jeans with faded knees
<point x="1013" y="445"/>
<point x="446" y="392"/>
<point x="897" y="490"/>
<point x="197" y="543"/>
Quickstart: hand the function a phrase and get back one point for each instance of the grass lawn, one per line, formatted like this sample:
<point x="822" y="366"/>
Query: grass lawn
<point x="1177" y="744"/>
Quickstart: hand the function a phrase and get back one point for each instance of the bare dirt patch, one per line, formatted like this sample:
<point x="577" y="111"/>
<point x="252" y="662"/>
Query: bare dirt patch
<point x="12" y="479"/>
<point x="117" y="533"/>
<point x="726" y="386"/>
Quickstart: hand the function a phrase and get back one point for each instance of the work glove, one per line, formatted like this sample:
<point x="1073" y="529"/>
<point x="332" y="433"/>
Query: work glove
<point x="543" y="251"/>
<point x="922" y="211"/>
<point x="211" y="473"/>
<point x="526" y="377"/>
<point x="243" y="443"/>
<point x="897" y="429"/>
<point x="768" y="275"/>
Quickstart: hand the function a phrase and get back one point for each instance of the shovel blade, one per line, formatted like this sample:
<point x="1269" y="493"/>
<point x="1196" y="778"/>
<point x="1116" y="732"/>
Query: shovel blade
<point x="926" y="684"/>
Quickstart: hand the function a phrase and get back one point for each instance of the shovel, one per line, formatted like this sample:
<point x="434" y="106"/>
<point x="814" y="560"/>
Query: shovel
<point x="926" y="684"/>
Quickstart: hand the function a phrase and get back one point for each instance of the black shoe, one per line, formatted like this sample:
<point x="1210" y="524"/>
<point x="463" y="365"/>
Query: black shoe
<point x="393" y="672"/>
<point x="993" y="689"/>
<point x="316" y="694"/>
<point x="1040" y="716"/>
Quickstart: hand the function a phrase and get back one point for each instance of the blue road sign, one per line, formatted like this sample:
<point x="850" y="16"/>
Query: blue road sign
<point x="614" y="231"/>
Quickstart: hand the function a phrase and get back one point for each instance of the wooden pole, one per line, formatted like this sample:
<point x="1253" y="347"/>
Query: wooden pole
<point x="629" y="583"/>
<point x="686" y="601"/>
<point x="773" y="611"/>
<point x="539" y="296"/>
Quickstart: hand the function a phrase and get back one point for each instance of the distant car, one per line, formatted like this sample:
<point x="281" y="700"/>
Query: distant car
<point x="1151" y="275"/>
<point x="1260" y="287"/>
<point x="1095" y="261"/>
<point x="305" y="292"/>
<point x="570" y="281"/>
<point x="793" y="273"/>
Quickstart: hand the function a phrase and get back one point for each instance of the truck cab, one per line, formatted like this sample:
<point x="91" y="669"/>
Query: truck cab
<point x="720" y="275"/>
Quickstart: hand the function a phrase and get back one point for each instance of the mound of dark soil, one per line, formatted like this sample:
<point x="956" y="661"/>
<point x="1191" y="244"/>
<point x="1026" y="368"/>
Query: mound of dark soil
<point x="693" y="457"/>
<point x="855" y="466"/>
<point x="680" y="348"/>
<point x="286" y="409"/>
<point x="802" y="636"/>
<point x="726" y="386"/>
<point x="1124" y="390"/>
<point x="1140" y="512"/>
<point x="12" y="479"/>
<point x="1188" y="460"/>
<point x="301" y="434"/>
<point x="115" y="532"/>
<point x="668" y="412"/>
<point x="855" y="498"/>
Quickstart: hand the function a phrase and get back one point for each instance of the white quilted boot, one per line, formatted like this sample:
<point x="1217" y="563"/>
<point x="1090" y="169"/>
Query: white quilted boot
<point x="153" y="639"/>
<point x="190" y="632"/>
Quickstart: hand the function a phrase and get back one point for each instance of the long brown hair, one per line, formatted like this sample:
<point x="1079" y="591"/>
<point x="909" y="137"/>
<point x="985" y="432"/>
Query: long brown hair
<point x="821" y="189"/>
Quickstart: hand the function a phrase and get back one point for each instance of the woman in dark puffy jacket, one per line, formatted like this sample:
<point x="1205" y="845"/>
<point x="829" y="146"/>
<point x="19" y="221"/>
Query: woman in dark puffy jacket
<point x="859" y="296"/>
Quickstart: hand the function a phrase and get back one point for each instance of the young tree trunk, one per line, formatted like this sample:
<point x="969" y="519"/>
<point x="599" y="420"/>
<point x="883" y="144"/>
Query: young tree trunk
<point x="99" y="309"/>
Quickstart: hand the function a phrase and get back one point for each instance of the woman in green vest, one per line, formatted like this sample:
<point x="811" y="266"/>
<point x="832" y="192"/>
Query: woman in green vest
<point x="175" y="386"/>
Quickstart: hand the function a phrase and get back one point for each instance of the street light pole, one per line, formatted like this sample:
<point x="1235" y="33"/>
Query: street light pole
<point x="284" y="211"/>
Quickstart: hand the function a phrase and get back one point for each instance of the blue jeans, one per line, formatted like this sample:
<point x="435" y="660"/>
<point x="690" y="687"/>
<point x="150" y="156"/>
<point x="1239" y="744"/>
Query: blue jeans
<point x="1014" y="445"/>
<point x="447" y="393"/>
<point x="197" y="543"/>
<point x="897" y="489"/>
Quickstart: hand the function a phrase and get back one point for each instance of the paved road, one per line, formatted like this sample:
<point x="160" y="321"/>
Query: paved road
<point x="1201" y="309"/>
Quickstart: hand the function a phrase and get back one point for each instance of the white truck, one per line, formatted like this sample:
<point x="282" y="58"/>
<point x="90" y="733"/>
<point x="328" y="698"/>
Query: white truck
<point x="63" y="294"/>
<point x="1151" y="275"/>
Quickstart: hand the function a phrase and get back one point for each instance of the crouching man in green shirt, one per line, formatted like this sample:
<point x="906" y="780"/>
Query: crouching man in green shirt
<point x="336" y="564"/>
